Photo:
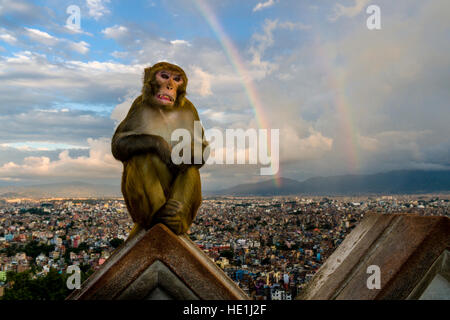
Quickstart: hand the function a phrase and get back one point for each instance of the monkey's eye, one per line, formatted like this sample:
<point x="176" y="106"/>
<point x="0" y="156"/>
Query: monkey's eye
<point x="177" y="79"/>
<point x="164" y="76"/>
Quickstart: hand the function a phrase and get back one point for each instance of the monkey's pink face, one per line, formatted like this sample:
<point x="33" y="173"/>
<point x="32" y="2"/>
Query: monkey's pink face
<point x="168" y="82"/>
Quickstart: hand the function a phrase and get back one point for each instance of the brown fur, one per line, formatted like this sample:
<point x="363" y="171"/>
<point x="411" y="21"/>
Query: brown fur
<point x="150" y="87"/>
<point x="156" y="190"/>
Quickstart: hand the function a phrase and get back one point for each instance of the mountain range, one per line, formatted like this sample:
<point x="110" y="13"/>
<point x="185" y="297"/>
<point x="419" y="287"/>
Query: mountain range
<point x="61" y="190"/>
<point x="393" y="182"/>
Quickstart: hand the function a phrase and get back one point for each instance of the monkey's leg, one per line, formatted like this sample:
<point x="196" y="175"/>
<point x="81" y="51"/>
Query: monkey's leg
<point x="145" y="184"/>
<point x="183" y="202"/>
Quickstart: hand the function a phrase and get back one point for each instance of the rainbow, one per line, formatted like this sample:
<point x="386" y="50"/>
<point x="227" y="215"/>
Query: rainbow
<point x="238" y="65"/>
<point x="348" y="128"/>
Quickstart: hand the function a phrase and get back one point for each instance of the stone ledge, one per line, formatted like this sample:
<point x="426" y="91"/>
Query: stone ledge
<point x="183" y="260"/>
<point x="404" y="246"/>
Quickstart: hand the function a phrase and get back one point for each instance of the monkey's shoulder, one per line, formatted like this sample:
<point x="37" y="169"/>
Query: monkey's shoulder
<point x="188" y="106"/>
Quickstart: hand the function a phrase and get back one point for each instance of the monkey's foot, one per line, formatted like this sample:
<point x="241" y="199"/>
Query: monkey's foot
<point x="175" y="215"/>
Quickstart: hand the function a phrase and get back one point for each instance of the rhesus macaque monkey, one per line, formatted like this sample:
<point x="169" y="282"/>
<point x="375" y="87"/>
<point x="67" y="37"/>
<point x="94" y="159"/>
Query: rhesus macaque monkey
<point x="155" y="189"/>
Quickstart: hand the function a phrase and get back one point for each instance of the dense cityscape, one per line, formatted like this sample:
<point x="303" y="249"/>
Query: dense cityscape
<point x="270" y="246"/>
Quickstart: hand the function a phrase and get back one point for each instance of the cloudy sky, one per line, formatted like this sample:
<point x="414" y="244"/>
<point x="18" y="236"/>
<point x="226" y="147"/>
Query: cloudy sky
<point x="345" y="98"/>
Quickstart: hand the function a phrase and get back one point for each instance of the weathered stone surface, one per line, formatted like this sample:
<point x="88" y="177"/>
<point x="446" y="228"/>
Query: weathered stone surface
<point x="158" y="281"/>
<point x="403" y="246"/>
<point x="436" y="282"/>
<point x="176" y="260"/>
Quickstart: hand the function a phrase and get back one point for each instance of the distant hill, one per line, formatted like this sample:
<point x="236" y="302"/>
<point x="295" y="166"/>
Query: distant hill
<point x="394" y="182"/>
<point x="61" y="190"/>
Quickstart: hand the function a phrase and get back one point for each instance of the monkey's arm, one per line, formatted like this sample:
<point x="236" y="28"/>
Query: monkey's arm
<point x="123" y="148"/>
<point x="128" y="141"/>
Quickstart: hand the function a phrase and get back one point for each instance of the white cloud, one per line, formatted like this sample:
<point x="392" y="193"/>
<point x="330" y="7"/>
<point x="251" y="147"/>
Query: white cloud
<point x="294" y="148"/>
<point x="7" y="37"/>
<point x="351" y="11"/>
<point x="180" y="42"/>
<point x="41" y="36"/>
<point x="266" y="39"/>
<point x="201" y="81"/>
<point x="225" y="117"/>
<point x="12" y="6"/>
<point x="31" y="146"/>
<point x="99" y="164"/>
<point x="46" y="39"/>
<point x="31" y="80"/>
<point x="294" y="26"/>
<point x="263" y="5"/>
<point x="80" y="47"/>
<point x="115" y="32"/>
<point x="52" y="130"/>
<point x="119" y="54"/>
<point x="121" y="110"/>
<point x="262" y="41"/>
<point x="75" y="30"/>
<point x="97" y="8"/>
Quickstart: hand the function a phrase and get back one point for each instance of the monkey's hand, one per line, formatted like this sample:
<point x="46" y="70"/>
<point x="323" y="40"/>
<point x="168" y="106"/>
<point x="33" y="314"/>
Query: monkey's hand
<point x="175" y="215"/>
<point x="126" y="147"/>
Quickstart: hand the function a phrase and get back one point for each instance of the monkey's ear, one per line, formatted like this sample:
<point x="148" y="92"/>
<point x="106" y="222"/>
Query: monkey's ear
<point x="147" y="74"/>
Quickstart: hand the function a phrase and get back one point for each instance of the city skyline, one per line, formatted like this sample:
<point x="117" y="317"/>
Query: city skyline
<point x="270" y="246"/>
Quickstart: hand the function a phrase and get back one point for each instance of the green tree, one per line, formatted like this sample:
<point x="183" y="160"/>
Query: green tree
<point x="11" y="250"/>
<point x="229" y="254"/>
<point x="22" y="287"/>
<point x="115" y="242"/>
<point x="33" y="249"/>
